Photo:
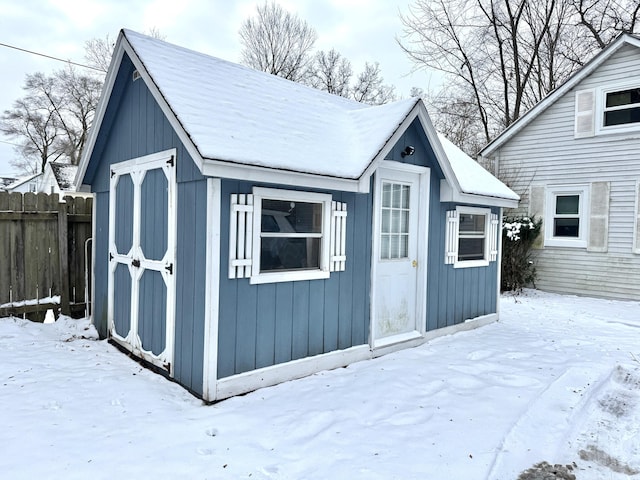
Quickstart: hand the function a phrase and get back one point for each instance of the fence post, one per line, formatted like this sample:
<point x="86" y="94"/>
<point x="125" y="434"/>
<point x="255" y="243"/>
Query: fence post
<point x="64" y="258"/>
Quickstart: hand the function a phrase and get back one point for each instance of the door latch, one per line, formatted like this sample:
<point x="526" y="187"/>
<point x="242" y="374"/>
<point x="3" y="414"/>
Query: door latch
<point x="414" y="263"/>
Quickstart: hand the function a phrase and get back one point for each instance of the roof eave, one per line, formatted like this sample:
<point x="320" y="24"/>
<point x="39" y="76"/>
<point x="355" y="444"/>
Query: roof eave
<point x="554" y="95"/>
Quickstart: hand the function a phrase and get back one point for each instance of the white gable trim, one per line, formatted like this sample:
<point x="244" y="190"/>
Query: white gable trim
<point x="551" y="98"/>
<point x="123" y="46"/>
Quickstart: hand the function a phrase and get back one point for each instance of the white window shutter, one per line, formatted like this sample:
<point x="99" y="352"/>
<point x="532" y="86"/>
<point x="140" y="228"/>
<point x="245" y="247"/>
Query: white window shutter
<point x="537" y="194"/>
<point x="636" y="229"/>
<point x="585" y="113"/>
<point x="494" y="231"/>
<point x="338" y="237"/>
<point x="240" y="235"/>
<point x="451" y="241"/>
<point x="598" y="234"/>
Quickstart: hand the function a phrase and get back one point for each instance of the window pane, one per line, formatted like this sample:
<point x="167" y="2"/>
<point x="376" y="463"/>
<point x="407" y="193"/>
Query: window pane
<point x="471" y="249"/>
<point x="386" y="195"/>
<point x="279" y="253"/>
<point x="396" y="200"/>
<point x="567" y="204"/>
<point x="395" y="221"/>
<point x="282" y="216"/>
<point x="623" y="97"/>
<point x="472" y="223"/>
<point x="404" y="222"/>
<point x="384" y="247"/>
<point x="566" y="227"/>
<point x="386" y="221"/>
<point x="404" y="246"/>
<point x="395" y="246"/>
<point x="405" y="196"/>
<point x="621" y="117"/>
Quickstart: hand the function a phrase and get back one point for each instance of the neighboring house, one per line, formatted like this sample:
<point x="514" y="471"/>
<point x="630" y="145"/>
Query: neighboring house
<point x="25" y="184"/>
<point x="6" y="181"/>
<point x="250" y="230"/>
<point x="575" y="160"/>
<point x="58" y="178"/>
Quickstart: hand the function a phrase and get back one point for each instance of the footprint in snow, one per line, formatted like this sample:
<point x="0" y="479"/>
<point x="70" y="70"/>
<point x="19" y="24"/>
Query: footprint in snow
<point x="211" y="432"/>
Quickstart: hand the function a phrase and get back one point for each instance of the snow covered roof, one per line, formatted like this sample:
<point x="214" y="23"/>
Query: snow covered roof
<point x="64" y="174"/>
<point x="228" y="115"/>
<point x="473" y="178"/>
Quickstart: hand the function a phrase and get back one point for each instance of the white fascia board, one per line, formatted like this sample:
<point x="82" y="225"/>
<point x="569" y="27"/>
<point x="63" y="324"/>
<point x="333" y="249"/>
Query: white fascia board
<point x="553" y="96"/>
<point x="164" y="106"/>
<point x="448" y="194"/>
<point x="101" y="108"/>
<point x="418" y="111"/>
<point x="252" y="173"/>
<point x="123" y="46"/>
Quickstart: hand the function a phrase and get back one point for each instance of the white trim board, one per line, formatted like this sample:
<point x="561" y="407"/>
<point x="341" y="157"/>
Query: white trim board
<point x="295" y="369"/>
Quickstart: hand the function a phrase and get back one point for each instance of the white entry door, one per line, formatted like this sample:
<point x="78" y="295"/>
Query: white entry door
<point x="399" y="275"/>
<point x="142" y="256"/>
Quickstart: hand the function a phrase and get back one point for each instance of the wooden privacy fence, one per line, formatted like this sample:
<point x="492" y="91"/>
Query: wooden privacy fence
<point x="42" y="254"/>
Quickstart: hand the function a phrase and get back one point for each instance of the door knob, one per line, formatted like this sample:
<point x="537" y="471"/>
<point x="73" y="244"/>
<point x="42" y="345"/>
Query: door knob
<point x="414" y="263"/>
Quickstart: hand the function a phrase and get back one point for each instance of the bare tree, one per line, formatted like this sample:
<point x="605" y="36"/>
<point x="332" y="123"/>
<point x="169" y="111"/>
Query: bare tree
<point x="606" y="19"/>
<point x="33" y="123"/>
<point x="506" y="56"/>
<point x="369" y="87"/>
<point x="98" y="52"/>
<point x="277" y="42"/>
<point x="52" y="120"/>
<point x="331" y="72"/>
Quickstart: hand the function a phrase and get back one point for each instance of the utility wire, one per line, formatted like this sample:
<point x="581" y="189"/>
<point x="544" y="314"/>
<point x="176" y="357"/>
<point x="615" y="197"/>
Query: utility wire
<point x="49" y="56"/>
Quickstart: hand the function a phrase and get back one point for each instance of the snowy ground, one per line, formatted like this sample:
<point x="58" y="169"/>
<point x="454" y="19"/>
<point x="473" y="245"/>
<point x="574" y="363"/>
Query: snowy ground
<point x="556" y="380"/>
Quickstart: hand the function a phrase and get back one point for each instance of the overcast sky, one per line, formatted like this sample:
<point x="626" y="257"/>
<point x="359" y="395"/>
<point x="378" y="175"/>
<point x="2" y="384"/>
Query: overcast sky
<point x="361" y="30"/>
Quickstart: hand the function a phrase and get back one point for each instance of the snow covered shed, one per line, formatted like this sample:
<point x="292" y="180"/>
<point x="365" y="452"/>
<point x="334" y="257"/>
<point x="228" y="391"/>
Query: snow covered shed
<point x="250" y="230"/>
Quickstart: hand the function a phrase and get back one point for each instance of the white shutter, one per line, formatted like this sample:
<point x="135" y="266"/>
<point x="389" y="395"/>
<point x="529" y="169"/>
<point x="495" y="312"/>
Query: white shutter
<point x="451" y="241"/>
<point x="585" y="113"/>
<point x="338" y="237"/>
<point x="494" y="231"/>
<point x="598" y="234"/>
<point x="537" y="196"/>
<point x="240" y="235"/>
<point x="636" y="229"/>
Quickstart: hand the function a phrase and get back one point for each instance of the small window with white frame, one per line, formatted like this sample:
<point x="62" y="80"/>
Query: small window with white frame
<point x="621" y="107"/>
<point x="471" y="237"/>
<point x="286" y="235"/>
<point x="566" y="216"/>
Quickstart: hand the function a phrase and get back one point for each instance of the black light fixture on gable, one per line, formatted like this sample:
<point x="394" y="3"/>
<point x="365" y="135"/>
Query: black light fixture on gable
<point x="408" y="151"/>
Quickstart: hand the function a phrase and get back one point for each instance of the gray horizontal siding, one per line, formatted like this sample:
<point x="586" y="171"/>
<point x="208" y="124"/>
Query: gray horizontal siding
<point x="545" y="152"/>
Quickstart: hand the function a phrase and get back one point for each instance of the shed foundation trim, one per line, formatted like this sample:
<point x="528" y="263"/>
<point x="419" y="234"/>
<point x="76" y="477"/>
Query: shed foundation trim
<point x="273" y="375"/>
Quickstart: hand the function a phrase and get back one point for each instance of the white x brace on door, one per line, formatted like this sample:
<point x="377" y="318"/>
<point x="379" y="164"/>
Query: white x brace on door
<point x="142" y="239"/>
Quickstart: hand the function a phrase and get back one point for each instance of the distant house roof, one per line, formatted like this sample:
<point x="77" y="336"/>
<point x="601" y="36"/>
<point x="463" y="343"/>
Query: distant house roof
<point x="64" y="174"/>
<point x="230" y="115"/>
<point x="552" y="97"/>
<point x="6" y="181"/>
<point x="22" y="180"/>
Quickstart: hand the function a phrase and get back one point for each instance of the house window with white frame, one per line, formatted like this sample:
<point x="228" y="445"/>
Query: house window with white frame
<point x="471" y="237"/>
<point x="566" y="216"/>
<point x="279" y="235"/>
<point x="621" y="107"/>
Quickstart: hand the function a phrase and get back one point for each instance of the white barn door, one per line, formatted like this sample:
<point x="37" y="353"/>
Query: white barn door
<point x="142" y="238"/>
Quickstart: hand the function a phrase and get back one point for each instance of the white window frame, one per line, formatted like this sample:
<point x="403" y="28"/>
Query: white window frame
<point x="551" y="193"/>
<point x="260" y="193"/>
<point x="487" y="225"/>
<point x="601" y="102"/>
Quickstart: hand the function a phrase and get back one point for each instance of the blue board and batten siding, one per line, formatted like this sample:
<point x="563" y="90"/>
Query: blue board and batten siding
<point x="268" y="324"/>
<point x="134" y="126"/>
<point x="453" y="294"/>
